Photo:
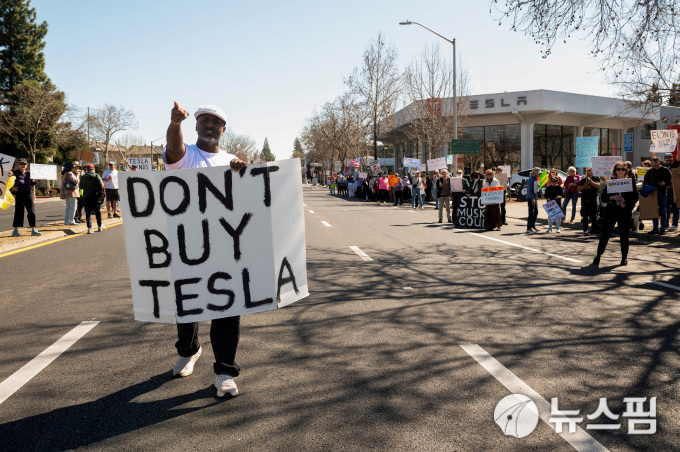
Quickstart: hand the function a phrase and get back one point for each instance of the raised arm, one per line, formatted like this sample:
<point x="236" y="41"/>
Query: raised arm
<point x="174" y="149"/>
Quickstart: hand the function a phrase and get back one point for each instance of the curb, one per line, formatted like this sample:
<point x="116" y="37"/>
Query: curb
<point x="48" y="236"/>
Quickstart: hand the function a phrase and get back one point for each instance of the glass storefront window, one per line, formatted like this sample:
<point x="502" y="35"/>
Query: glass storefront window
<point x="500" y="145"/>
<point x="554" y="146"/>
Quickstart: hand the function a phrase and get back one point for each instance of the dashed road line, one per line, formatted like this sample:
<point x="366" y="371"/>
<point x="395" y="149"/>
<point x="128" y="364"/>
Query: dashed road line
<point x="311" y="211"/>
<point x="663" y="284"/>
<point x="33" y="367"/>
<point x="518" y="246"/>
<point x="579" y="440"/>
<point x="360" y="253"/>
<point x="325" y="223"/>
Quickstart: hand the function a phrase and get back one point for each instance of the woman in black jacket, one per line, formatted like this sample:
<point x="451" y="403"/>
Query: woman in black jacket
<point x="618" y="209"/>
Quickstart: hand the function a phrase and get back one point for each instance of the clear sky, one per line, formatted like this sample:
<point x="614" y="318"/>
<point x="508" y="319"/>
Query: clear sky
<point x="268" y="64"/>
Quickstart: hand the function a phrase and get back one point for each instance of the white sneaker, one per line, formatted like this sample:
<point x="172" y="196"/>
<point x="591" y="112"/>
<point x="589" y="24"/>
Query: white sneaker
<point x="101" y="228"/>
<point x="558" y="231"/>
<point x="225" y="384"/>
<point x="673" y="228"/>
<point x="185" y="365"/>
<point x="90" y="231"/>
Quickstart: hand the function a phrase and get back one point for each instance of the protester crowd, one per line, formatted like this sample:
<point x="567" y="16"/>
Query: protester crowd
<point x="602" y="214"/>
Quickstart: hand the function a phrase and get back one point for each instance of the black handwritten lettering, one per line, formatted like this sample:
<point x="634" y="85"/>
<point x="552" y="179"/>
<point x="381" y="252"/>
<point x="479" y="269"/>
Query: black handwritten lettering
<point x="205" y="184"/>
<point x="265" y="172"/>
<point x="132" y="198"/>
<point x="184" y="205"/>
<point x="180" y="297"/>
<point x="151" y="250"/>
<point x="181" y="237"/>
<point x="245" y="277"/>
<point x="214" y="290"/>
<point x="236" y="233"/>
<point x="154" y="291"/>
<point x="289" y="279"/>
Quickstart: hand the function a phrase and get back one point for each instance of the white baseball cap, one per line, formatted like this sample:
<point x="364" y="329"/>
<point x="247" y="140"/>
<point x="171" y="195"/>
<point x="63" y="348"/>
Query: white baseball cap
<point x="211" y="110"/>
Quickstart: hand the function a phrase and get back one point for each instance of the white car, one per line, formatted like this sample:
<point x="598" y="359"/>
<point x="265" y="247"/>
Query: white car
<point x="516" y="179"/>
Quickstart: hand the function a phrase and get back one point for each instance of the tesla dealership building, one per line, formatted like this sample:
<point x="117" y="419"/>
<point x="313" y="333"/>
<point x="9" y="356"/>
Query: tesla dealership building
<point x="536" y="128"/>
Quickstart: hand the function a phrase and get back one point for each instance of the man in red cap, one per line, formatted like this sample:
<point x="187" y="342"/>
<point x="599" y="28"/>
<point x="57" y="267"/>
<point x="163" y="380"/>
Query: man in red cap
<point x="224" y="333"/>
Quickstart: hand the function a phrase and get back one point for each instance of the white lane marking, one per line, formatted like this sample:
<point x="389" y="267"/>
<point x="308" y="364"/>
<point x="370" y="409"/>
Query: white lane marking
<point x="311" y="211"/>
<point x="33" y="367"/>
<point x="412" y="211"/>
<point x="325" y="223"/>
<point x="670" y="286"/>
<point x="516" y="221"/>
<point x="518" y="246"/>
<point x="360" y="253"/>
<point x="579" y="440"/>
<point x="408" y="288"/>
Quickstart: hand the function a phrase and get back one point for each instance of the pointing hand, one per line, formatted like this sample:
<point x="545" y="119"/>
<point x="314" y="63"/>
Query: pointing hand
<point x="178" y="114"/>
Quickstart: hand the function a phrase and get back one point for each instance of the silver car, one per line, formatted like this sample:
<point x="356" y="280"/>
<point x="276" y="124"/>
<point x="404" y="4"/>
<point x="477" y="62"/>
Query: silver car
<point x="517" y="178"/>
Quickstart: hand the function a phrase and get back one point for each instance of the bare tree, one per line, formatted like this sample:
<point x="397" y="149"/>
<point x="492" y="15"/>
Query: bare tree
<point x="635" y="41"/>
<point x="130" y="139"/>
<point x="428" y="89"/>
<point x="32" y="119"/>
<point x="109" y="120"/>
<point x="242" y="146"/>
<point x="378" y="83"/>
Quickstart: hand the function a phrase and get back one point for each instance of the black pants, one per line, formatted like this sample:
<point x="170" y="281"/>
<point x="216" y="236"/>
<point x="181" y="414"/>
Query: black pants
<point x="397" y="197"/>
<point x="79" y="208"/>
<point x="92" y="206"/>
<point x="23" y="201"/>
<point x="589" y="214"/>
<point x="503" y="211"/>
<point x="533" y="213"/>
<point x="623" y="218"/>
<point x="224" y="335"/>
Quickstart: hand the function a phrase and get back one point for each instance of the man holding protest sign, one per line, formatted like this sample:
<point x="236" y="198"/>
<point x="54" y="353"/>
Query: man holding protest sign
<point x="659" y="178"/>
<point x="211" y="124"/>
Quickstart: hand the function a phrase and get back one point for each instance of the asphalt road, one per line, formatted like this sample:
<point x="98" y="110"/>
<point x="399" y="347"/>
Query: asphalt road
<point x="372" y="360"/>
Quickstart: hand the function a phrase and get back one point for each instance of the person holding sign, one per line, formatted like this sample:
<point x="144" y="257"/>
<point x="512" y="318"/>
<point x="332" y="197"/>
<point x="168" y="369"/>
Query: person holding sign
<point x="618" y="209"/>
<point x="671" y="202"/>
<point x="444" y="191"/>
<point x="492" y="212"/>
<point x="418" y="195"/>
<point x="554" y="192"/>
<point x="659" y="178"/>
<point x="532" y="196"/>
<point x="588" y="187"/>
<point x="211" y="124"/>
<point x="23" y="185"/>
<point x="571" y="189"/>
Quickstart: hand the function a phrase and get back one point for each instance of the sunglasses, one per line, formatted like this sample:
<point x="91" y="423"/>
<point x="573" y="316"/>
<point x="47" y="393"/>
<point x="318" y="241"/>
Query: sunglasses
<point x="621" y="169"/>
<point x="22" y="164"/>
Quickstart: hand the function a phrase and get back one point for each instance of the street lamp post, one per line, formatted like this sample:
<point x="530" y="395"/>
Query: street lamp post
<point x="159" y="138"/>
<point x="455" y="101"/>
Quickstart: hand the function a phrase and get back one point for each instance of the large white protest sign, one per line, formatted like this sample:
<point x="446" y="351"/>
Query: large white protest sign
<point x="586" y="147"/>
<point x="619" y="185"/>
<point x="492" y="195"/>
<point x="602" y="166"/>
<point x="423" y="167"/>
<point x="411" y="163"/>
<point x="664" y="140"/>
<point x="40" y="172"/>
<point x="456" y="184"/>
<point x="553" y="210"/>
<point x="6" y="165"/>
<point x="142" y="164"/>
<point x="207" y="243"/>
<point x="363" y="175"/>
<point x="437" y="164"/>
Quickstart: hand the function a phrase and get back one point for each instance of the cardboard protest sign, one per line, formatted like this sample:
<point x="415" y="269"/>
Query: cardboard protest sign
<point x="502" y="178"/>
<point x="553" y="210"/>
<point x="602" y="166"/>
<point x="492" y="195"/>
<point x="619" y="185"/>
<point x="649" y="206"/>
<point x="40" y="172"/>
<point x="6" y="165"/>
<point x="207" y="243"/>
<point x="456" y="183"/>
<point x="436" y="164"/>
<point x="664" y="140"/>
<point x="675" y="172"/>
<point x="411" y="163"/>
<point x="586" y="148"/>
<point x="641" y="171"/>
<point x="469" y="213"/>
<point x="142" y="164"/>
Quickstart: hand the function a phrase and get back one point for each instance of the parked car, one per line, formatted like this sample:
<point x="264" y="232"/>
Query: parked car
<point x="517" y="178"/>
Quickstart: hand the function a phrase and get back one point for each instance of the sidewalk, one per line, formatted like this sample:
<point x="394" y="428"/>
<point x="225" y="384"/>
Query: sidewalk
<point x="50" y="231"/>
